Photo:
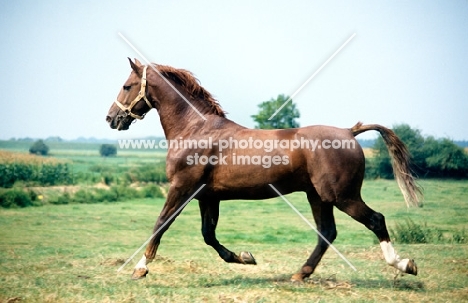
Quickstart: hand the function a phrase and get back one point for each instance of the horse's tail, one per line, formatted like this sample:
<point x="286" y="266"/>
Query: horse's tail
<point x="400" y="158"/>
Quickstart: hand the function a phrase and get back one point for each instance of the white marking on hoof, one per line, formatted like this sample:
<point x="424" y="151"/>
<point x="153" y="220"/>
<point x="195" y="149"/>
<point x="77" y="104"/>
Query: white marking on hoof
<point x="393" y="259"/>
<point x="142" y="263"/>
<point x="402" y="265"/>
<point x="140" y="269"/>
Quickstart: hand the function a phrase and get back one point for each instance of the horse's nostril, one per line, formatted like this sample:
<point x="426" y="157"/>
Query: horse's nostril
<point x="108" y="119"/>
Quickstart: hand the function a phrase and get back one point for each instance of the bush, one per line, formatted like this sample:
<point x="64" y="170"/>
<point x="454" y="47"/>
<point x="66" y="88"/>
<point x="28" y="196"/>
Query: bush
<point x="412" y="233"/>
<point x="151" y="191"/>
<point x="8" y="174"/>
<point x="85" y="177"/>
<point x="153" y="173"/>
<point x="43" y="175"/>
<point x="54" y="174"/>
<point x="107" y="150"/>
<point x="83" y="196"/>
<point x="430" y="157"/>
<point x="107" y="179"/>
<point x="13" y="198"/>
<point x="104" y="195"/>
<point x="99" y="195"/>
<point x="39" y="148"/>
<point x="460" y="237"/>
<point x="124" y="192"/>
<point x="445" y="159"/>
<point x="65" y="198"/>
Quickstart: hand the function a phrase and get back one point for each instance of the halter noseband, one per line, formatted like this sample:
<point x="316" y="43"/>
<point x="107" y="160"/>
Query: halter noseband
<point x="141" y="95"/>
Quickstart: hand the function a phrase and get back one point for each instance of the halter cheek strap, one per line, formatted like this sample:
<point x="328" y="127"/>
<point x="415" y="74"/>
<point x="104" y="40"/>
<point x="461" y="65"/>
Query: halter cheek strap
<point x="141" y="95"/>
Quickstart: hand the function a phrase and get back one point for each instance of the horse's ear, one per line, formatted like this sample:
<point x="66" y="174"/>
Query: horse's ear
<point x="135" y="66"/>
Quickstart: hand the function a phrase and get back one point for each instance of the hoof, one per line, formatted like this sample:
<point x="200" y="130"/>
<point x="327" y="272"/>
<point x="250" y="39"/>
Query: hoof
<point x="139" y="273"/>
<point x="247" y="258"/>
<point x="297" y="278"/>
<point x="411" y="268"/>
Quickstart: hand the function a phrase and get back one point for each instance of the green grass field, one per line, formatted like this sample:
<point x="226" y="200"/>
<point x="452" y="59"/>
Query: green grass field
<point x="71" y="253"/>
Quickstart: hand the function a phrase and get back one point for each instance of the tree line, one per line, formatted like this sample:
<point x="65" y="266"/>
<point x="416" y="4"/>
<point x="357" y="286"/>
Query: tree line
<point x="430" y="157"/>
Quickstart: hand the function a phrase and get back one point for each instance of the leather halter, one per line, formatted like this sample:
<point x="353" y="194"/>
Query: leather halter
<point x="141" y="95"/>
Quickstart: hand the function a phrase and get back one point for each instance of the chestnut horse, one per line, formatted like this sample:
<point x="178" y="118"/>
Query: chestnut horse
<point x="234" y="162"/>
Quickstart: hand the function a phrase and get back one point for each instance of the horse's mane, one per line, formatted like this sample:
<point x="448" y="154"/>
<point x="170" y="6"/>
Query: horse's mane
<point x="185" y="79"/>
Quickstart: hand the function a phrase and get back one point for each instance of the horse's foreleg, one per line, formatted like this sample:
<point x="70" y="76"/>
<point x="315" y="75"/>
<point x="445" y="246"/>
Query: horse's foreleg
<point x="375" y="222"/>
<point x="209" y="211"/>
<point x="171" y="209"/>
<point x="323" y="216"/>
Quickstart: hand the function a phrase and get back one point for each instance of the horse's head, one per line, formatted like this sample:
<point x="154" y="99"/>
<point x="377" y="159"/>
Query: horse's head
<point x="132" y="102"/>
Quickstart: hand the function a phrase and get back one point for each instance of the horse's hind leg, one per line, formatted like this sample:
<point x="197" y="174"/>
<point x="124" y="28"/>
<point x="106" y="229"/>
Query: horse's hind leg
<point x="375" y="221"/>
<point x="323" y="216"/>
<point x="209" y="211"/>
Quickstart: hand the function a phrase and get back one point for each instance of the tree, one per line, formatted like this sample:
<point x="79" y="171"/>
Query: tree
<point x="430" y="157"/>
<point x="39" y="148"/>
<point x="107" y="150"/>
<point x="445" y="159"/>
<point x="285" y="118"/>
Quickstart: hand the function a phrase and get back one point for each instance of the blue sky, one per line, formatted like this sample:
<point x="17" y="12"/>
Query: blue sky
<point x="62" y="63"/>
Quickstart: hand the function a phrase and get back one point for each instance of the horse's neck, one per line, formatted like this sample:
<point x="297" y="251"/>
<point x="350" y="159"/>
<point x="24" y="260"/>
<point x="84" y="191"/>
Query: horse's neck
<point x="178" y="118"/>
<point x="179" y="122"/>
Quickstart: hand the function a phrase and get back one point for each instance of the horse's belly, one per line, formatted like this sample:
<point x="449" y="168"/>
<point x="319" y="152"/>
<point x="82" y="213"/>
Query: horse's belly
<point x="252" y="182"/>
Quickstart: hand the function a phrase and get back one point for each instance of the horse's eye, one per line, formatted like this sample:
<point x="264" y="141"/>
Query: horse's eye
<point x="127" y="87"/>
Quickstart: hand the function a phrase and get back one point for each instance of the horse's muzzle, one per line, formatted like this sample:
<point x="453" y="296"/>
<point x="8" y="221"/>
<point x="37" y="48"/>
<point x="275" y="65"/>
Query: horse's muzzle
<point x="119" y="122"/>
